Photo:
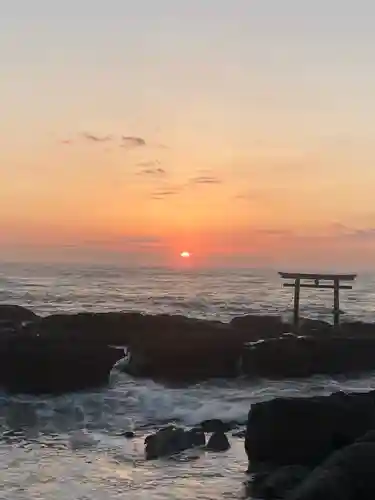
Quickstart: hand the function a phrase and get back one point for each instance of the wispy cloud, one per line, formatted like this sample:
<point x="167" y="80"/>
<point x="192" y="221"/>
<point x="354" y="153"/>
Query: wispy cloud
<point x="162" y="193"/>
<point x="129" y="141"/>
<point x="96" y="138"/>
<point x="153" y="171"/>
<point x="205" y="179"/>
<point x="124" y="141"/>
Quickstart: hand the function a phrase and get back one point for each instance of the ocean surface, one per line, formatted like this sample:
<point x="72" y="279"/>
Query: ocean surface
<point x="71" y="447"/>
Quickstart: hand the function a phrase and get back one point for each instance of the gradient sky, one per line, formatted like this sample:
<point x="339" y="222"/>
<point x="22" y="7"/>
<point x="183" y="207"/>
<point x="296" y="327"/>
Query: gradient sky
<point x="240" y="130"/>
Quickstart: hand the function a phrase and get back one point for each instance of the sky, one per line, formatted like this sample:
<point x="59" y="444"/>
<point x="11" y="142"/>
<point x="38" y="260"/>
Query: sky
<point x="238" y="130"/>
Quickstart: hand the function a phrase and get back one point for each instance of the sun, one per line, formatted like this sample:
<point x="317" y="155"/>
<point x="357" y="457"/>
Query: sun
<point x="185" y="254"/>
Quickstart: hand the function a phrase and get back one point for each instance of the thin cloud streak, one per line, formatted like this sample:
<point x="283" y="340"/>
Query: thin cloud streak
<point x="133" y="142"/>
<point x="153" y="171"/>
<point x="95" y="138"/>
<point x="205" y="180"/>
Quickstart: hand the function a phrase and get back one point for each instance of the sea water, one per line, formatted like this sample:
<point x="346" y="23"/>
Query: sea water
<point x="72" y="446"/>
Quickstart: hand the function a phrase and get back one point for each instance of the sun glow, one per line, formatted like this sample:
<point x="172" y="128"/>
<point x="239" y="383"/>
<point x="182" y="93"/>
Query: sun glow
<point x="185" y="255"/>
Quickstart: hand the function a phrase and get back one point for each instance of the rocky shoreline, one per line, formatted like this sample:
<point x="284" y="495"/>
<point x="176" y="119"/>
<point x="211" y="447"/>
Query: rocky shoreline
<point x="61" y="352"/>
<point x="319" y="448"/>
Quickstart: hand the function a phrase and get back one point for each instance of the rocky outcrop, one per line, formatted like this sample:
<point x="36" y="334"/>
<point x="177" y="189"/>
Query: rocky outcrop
<point x="55" y="368"/>
<point x="289" y="431"/>
<point x="298" y="356"/>
<point x="177" y="348"/>
<point x="347" y="474"/>
<point x="16" y="314"/>
<point x="277" y="484"/>
<point x="320" y="448"/>
<point x="259" y="326"/>
<point x="34" y="360"/>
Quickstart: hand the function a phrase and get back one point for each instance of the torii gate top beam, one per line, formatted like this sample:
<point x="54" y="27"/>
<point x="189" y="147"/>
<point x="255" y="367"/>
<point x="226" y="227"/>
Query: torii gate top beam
<point x="316" y="278"/>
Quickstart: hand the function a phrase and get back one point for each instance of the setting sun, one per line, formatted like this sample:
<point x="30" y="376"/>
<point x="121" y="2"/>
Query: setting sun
<point x="185" y="255"/>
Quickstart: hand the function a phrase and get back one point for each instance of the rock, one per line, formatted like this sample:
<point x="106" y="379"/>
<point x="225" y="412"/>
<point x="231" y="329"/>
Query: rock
<point x="259" y="327"/>
<point x="129" y="434"/>
<point x="178" y="348"/>
<point x="215" y="425"/>
<point x="306" y="430"/>
<point x="41" y="367"/>
<point x="301" y="356"/>
<point x="169" y="348"/>
<point x="369" y="437"/>
<point x="114" y="328"/>
<point x="278" y="483"/>
<point x="171" y="440"/>
<point x="347" y="475"/>
<point x="16" y="314"/>
<point x="218" y="442"/>
<point x="196" y="437"/>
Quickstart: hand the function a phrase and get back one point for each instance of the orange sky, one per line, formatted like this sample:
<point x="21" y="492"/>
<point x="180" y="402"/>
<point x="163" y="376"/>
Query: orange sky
<point x="129" y="136"/>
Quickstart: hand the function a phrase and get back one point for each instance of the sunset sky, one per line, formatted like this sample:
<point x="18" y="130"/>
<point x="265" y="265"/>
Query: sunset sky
<point x="241" y="131"/>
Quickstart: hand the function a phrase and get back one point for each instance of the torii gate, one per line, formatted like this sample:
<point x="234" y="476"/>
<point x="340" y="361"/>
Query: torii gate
<point x="314" y="281"/>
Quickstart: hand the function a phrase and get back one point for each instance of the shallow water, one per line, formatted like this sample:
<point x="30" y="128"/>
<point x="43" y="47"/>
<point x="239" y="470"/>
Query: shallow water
<point x="72" y="447"/>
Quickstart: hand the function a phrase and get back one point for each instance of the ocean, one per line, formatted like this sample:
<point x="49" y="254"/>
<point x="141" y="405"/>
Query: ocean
<point x="71" y="447"/>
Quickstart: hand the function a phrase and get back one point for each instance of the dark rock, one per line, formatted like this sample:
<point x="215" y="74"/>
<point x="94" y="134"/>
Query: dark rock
<point x="215" y="425"/>
<point x="259" y="327"/>
<point x="299" y="356"/>
<point x="306" y="430"/>
<point x="315" y="328"/>
<point x="278" y="483"/>
<point x="177" y="348"/>
<point x="170" y="348"/>
<point x="38" y="367"/>
<point x="196" y="437"/>
<point x="171" y="440"/>
<point x="218" y="442"/>
<point x="114" y="328"/>
<point x="16" y="314"/>
<point x="129" y="434"/>
<point x="347" y="475"/>
<point x="369" y="437"/>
